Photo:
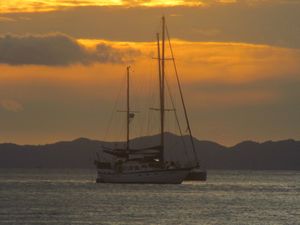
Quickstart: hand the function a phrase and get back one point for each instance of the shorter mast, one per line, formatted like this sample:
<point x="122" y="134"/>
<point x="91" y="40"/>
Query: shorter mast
<point x="128" y="108"/>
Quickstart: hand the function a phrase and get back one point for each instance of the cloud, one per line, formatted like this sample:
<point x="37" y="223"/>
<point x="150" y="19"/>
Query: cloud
<point x="46" y="5"/>
<point x="236" y="62"/>
<point x="57" y="50"/>
<point x="6" y="19"/>
<point x="11" y="105"/>
<point x="13" y="6"/>
<point x="207" y="32"/>
<point x="257" y="22"/>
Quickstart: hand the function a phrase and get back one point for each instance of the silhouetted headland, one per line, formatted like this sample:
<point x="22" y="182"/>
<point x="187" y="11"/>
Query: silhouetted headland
<point x="80" y="153"/>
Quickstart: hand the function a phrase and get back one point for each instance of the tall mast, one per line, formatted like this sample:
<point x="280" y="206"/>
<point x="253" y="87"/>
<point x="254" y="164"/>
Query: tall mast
<point x="128" y="109"/>
<point x="162" y="91"/>
<point x="160" y="94"/>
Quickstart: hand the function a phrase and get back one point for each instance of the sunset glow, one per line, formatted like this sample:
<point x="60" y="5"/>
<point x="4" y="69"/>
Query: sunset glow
<point x="50" y="5"/>
<point x="185" y="112"/>
<point x="62" y="62"/>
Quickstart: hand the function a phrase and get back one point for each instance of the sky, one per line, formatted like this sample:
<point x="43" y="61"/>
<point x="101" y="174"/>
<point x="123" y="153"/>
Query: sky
<point x="63" y="63"/>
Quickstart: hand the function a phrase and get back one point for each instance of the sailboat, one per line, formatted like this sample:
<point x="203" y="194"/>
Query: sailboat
<point x="145" y="165"/>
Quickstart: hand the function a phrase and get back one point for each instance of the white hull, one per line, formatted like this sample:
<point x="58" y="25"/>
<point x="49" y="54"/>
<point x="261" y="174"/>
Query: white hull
<point x="160" y="176"/>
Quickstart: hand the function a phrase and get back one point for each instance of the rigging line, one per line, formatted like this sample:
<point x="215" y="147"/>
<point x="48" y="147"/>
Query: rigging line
<point x="114" y="109"/>
<point x="151" y="100"/>
<point x="176" y="115"/>
<point x="182" y="100"/>
<point x="147" y="91"/>
<point x="142" y="102"/>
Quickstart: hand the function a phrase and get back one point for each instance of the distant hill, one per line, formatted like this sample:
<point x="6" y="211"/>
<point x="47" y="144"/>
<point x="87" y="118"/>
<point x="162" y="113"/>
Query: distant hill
<point x="80" y="153"/>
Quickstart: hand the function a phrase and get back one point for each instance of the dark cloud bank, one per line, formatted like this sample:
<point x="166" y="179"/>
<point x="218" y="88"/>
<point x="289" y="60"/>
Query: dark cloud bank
<point x="57" y="50"/>
<point x="272" y="22"/>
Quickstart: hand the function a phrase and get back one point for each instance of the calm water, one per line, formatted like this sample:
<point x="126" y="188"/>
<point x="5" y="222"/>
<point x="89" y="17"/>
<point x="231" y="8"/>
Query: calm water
<point x="59" y="197"/>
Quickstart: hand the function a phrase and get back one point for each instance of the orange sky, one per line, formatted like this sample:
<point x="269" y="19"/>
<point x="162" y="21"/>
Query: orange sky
<point x="235" y="90"/>
<point x="49" y="5"/>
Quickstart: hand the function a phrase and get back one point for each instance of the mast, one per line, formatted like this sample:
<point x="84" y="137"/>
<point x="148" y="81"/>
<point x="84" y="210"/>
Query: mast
<point x="159" y="62"/>
<point x="162" y="92"/>
<point x="128" y="109"/>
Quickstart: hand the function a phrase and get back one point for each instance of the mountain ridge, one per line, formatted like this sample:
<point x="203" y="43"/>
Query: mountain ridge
<point x="81" y="152"/>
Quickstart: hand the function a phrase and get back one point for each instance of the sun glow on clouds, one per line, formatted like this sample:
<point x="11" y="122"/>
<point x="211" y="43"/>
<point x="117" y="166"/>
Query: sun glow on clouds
<point x="49" y="5"/>
<point x="170" y="3"/>
<point x="220" y="61"/>
<point x="198" y="63"/>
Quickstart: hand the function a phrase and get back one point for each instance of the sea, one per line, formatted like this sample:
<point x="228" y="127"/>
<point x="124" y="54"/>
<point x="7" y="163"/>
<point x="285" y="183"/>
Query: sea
<point x="66" y="197"/>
